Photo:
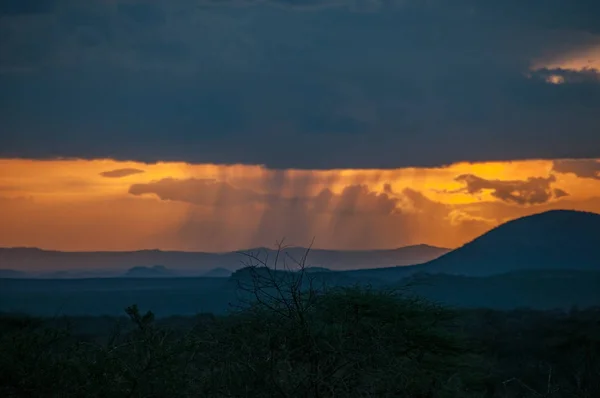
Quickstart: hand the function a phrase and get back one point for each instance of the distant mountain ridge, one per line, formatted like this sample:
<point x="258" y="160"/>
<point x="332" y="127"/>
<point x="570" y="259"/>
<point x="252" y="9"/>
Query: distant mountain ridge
<point x="68" y="264"/>
<point x="553" y="240"/>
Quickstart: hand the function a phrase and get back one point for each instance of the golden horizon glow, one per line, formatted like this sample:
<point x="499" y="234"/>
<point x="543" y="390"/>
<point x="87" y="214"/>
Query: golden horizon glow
<point x="126" y="205"/>
<point x="579" y="61"/>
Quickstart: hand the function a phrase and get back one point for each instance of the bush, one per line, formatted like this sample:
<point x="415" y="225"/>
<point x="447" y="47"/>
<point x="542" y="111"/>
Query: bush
<point x="291" y="338"/>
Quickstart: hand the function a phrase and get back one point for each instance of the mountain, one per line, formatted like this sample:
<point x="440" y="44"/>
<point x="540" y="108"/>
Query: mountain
<point x="358" y="259"/>
<point x="553" y="240"/>
<point x="557" y="239"/>
<point x="157" y="271"/>
<point x="38" y="261"/>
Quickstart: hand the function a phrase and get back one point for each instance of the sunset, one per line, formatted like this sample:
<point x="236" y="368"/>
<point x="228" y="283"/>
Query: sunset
<point x="98" y="205"/>
<point x="300" y="198"/>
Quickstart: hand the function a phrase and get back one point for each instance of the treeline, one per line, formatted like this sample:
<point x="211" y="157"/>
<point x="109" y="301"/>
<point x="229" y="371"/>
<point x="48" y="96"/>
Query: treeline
<point x="291" y="339"/>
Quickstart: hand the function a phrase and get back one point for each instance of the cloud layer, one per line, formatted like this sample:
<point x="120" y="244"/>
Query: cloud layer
<point x="533" y="191"/>
<point x="120" y="173"/>
<point x="585" y="168"/>
<point x="307" y="84"/>
<point x="356" y="217"/>
<point x="71" y="205"/>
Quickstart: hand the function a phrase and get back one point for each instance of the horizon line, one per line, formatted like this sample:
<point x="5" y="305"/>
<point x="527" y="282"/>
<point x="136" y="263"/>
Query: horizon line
<point x="241" y="251"/>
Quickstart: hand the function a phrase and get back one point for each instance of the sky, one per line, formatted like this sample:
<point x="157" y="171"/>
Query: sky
<point x="222" y="125"/>
<point x="90" y="205"/>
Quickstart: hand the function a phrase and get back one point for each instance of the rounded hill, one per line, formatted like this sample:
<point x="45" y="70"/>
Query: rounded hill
<point x="557" y="239"/>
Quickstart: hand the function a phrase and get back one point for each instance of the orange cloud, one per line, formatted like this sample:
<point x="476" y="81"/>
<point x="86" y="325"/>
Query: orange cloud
<point x="119" y="173"/>
<point x="72" y="205"/>
<point x="585" y="168"/>
<point x="581" y="60"/>
<point x="532" y="191"/>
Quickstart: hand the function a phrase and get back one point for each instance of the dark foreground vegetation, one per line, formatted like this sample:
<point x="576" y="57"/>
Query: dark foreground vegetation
<point x="292" y="339"/>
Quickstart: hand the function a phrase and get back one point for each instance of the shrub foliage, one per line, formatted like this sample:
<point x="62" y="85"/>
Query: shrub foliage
<point x="291" y="338"/>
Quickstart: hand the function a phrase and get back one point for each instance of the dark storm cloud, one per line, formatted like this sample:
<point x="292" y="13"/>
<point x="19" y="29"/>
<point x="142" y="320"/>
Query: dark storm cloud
<point x="335" y="84"/>
<point x="26" y="7"/>
<point x="119" y="173"/>
<point x="561" y="14"/>
<point x="533" y="191"/>
<point x="585" y="168"/>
